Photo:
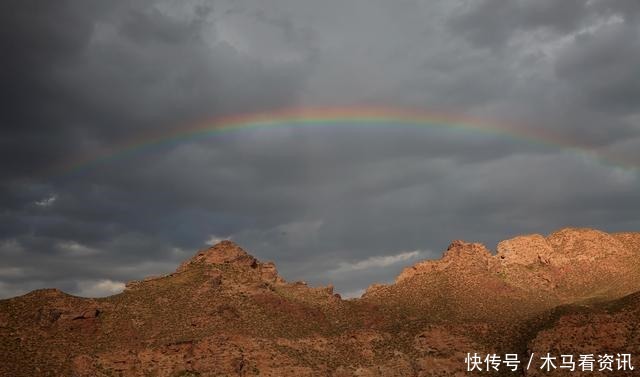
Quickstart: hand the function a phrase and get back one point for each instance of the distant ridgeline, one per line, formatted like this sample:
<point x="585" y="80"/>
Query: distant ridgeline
<point x="224" y="313"/>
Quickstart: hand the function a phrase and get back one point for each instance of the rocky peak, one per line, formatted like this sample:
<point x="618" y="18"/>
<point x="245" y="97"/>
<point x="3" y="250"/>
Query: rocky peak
<point x="586" y="244"/>
<point x="558" y="250"/>
<point x="524" y="250"/>
<point x="460" y="250"/>
<point x="224" y="252"/>
<point x="460" y="254"/>
<point x="566" y="246"/>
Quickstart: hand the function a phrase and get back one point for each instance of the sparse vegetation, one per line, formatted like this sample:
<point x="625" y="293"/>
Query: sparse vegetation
<point x="250" y="322"/>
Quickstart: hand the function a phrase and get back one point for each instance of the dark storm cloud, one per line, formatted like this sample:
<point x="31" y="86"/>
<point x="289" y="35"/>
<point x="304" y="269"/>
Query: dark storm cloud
<point x="343" y="205"/>
<point x="603" y="67"/>
<point x="494" y="22"/>
<point x="35" y="36"/>
<point x="81" y="75"/>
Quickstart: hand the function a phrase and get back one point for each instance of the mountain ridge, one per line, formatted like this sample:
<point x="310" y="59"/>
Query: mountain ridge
<point x="224" y="312"/>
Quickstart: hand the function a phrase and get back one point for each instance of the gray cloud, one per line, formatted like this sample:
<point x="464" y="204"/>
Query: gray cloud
<point x="81" y="77"/>
<point x="494" y="22"/>
<point x="602" y="66"/>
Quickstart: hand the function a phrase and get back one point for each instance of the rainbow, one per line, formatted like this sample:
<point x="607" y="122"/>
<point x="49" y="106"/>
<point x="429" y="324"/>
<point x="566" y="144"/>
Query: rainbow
<point x="328" y="116"/>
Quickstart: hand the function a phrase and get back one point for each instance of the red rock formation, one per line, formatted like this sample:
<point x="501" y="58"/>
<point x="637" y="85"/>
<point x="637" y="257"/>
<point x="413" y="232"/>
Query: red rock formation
<point x="223" y="312"/>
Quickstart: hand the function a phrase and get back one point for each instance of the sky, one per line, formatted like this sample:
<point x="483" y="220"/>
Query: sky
<point x="344" y="205"/>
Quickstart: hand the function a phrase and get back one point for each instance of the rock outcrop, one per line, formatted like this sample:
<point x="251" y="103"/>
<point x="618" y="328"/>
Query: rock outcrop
<point x="459" y="254"/>
<point x="224" y="252"/>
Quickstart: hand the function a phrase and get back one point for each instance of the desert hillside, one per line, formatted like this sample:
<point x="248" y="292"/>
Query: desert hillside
<point x="224" y="313"/>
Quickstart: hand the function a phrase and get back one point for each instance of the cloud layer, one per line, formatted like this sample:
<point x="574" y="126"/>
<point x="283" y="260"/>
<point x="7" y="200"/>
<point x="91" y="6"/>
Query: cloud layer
<point x="338" y="205"/>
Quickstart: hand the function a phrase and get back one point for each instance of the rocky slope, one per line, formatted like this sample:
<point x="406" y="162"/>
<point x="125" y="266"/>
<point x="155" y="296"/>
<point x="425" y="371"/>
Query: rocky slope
<point x="224" y="313"/>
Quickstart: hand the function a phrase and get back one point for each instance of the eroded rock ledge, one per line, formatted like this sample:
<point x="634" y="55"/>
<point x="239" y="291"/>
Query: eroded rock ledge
<point x="560" y="250"/>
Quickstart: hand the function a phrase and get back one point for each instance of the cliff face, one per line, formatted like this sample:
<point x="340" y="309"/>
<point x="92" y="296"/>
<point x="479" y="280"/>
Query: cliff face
<point x="569" y="265"/>
<point x="224" y="313"/>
